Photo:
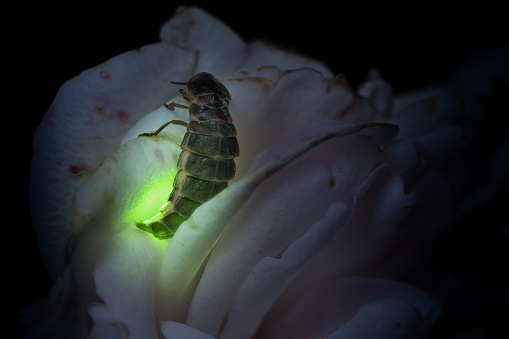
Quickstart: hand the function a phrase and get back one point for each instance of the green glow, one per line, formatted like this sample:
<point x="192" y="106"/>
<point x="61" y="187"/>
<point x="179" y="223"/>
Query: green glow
<point x="151" y="198"/>
<point x="152" y="166"/>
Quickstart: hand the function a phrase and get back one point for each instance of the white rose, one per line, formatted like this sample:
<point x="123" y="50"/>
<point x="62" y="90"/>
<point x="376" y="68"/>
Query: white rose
<point x="329" y="208"/>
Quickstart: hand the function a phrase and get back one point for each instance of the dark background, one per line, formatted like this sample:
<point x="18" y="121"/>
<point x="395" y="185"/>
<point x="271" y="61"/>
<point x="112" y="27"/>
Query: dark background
<point x="412" y="46"/>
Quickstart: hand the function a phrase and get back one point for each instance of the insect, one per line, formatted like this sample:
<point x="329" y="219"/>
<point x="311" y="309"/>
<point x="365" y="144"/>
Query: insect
<point x="206" y="162"/>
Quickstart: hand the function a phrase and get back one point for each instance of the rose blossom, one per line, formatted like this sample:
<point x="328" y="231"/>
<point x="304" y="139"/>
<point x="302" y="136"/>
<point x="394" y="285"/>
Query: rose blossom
<point x="337" y="195"/>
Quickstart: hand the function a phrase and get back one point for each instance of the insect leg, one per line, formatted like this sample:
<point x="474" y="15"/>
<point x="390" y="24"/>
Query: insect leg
<point x="174" y="122"/>
<point x="185" y="95"/>
<point x="171" y="106"/>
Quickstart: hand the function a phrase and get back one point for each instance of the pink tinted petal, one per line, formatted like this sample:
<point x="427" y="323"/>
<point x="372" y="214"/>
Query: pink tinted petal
<point x="382" y="207"/>
<point x="221" y="49"/>
<point x="85" y="123"/>
<point x="270" y="276"/>
<point x="326" y="307"/>
<point x="372" y="138"/>
<point x="355" y="163"/>
<point x="350" y="160"/>
<point x="269" y="104"/>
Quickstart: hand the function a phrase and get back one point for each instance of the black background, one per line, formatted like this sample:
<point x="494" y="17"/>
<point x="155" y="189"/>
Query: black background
<point x="413" y="46"/>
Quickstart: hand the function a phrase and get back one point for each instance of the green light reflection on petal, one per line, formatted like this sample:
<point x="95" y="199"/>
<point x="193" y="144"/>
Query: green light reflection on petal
<point x="152" y="196"/>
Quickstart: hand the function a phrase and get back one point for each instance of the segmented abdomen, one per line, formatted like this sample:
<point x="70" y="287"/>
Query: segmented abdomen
<point x="206" y="163"/>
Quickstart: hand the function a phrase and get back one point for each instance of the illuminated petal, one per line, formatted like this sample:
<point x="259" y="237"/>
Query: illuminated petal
<point x="131" y="184"/>
<point x="85" y="124"/>
<point x="125" y="277"/>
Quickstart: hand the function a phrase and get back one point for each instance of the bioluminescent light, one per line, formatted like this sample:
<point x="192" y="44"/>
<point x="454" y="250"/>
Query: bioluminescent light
<point x="206" y="163"/>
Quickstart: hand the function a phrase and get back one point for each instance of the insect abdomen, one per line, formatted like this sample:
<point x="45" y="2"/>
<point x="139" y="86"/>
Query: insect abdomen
<point x="205" y="166"/>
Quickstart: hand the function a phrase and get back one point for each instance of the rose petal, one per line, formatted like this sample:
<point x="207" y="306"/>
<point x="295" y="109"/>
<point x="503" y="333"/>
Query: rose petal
<point x="407" y="161"/>
<point x="269" y="104"/>
<point x="125" y="277"/>
<point x="286" y="99"/>
<point x="382" y="208"/>
<point x="130" y="186"/>
<point x="385" y="318"/>
<point x="324" y="308"/>
<point x="460" y="107"/>
<point x="270" y="276"/>
<point x="104" y="325"/>
<point x="86" y="123"/>
<point x="214" y="295"/>
<point x="222" y="51"/>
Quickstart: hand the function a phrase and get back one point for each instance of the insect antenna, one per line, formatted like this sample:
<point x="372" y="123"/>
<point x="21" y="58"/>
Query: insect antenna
<point x="179" y="83"/>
